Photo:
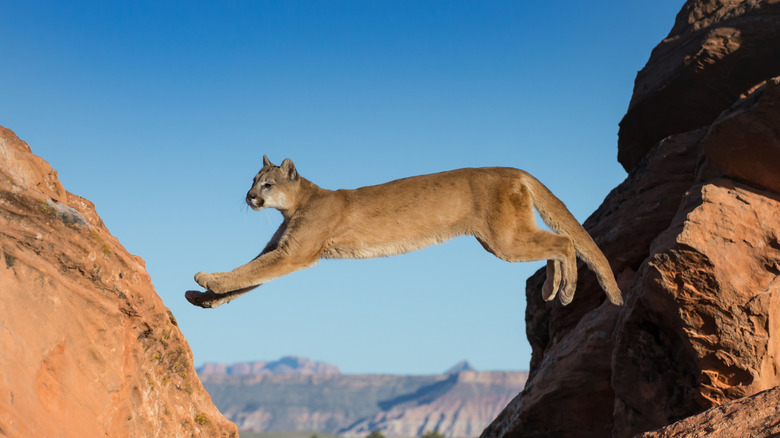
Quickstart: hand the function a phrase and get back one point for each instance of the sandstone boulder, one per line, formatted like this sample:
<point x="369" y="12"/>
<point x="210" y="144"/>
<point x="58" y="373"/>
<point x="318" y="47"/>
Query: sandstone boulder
<point x="701" y="326"/>
<point x="755" y="416"/>
<point x="88" y="348"/>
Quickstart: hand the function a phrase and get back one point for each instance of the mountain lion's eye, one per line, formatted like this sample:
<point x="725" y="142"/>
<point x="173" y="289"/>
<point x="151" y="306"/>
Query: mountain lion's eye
<point x="267" y="185"/>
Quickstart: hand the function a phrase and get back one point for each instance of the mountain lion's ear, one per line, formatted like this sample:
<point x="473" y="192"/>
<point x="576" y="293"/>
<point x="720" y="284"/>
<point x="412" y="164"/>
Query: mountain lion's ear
<point x="266" y="161"/>
<point x="289" y="168"/>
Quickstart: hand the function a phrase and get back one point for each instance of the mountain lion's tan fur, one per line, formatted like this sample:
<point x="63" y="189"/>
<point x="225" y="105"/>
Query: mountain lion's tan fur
<point x="493" y="204"/>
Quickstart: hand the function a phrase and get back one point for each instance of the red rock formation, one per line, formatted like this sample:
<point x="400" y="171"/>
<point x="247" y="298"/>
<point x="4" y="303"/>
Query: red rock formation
<point x="88" y="348"/>
<point x="692" y="235"/>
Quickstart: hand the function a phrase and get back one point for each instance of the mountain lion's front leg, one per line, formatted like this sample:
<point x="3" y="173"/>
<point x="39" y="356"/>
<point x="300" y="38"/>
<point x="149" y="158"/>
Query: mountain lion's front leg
<point x="262" y="269"/>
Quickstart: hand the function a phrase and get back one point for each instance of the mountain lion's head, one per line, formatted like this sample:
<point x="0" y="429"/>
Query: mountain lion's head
<point x="273" y="185"/>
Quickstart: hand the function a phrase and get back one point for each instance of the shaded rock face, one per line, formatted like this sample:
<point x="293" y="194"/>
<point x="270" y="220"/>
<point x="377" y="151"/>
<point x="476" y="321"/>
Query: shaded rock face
<point x="716" y="51"/>
<point x="88" y="348"/>
<point x="692" y="236"/>
<point x="747" y="130"/>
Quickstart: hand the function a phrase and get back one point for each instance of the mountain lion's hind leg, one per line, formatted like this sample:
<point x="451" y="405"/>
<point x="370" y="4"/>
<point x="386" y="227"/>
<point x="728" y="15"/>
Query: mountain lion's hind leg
<point x="533" y="245"/>
<point x="561" y="258"/>
<point x="553" y="282"/>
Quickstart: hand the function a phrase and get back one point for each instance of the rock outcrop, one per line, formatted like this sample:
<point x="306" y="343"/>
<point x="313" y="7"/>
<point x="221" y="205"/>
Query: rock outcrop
<point x="692" y="236"/>
<point x="88" y="348"/>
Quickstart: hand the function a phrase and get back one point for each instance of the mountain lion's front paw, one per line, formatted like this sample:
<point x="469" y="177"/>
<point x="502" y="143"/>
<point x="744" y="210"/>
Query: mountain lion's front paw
<point x="207" y="299"/>
<point x="203" y="278"/>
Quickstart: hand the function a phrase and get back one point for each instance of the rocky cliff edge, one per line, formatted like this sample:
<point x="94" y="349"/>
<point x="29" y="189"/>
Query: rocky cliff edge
<point x="88" y="348"/>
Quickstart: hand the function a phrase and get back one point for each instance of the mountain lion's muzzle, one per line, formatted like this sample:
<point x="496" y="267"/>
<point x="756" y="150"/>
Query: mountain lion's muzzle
<point x="254" y="202"/>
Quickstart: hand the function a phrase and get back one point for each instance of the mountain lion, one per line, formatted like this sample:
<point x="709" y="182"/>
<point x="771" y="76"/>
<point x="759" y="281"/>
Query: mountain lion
<point x="493" y="204"/>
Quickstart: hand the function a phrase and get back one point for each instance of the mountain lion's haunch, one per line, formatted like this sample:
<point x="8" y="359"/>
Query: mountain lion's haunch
<point x="493" y="204"/>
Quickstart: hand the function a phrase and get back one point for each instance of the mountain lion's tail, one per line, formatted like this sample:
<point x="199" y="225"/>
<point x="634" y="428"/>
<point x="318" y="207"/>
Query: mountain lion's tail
<point x="559" y="219"/>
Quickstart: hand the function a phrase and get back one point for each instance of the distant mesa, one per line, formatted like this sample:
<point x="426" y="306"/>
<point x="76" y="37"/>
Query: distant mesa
<point x="287" y="365"/>
<point x="292" y="365"/>
<point x="458" y="403"/>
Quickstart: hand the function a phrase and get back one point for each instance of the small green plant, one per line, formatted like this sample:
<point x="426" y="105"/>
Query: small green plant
<point x="202" y="419"/>
<point x="47" y="209"/>
<point x="432" y="434"/>
<point x="375" y="434"/>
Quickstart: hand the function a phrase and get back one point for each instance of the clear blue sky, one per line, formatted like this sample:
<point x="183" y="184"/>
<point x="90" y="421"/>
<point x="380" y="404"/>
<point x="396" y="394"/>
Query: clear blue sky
<point x="160" y="112"/>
